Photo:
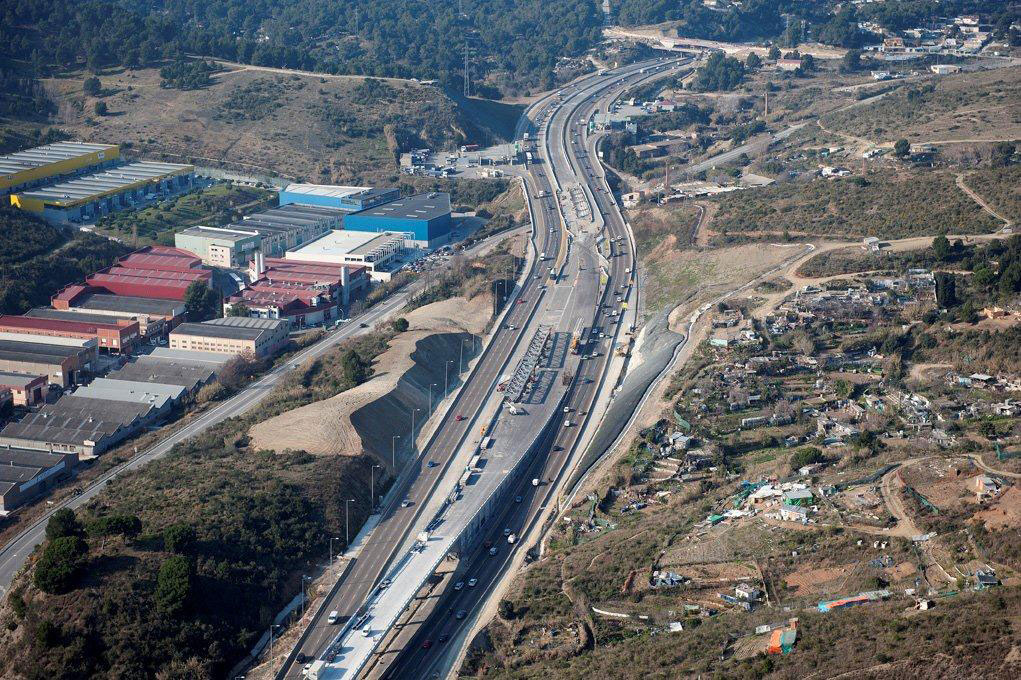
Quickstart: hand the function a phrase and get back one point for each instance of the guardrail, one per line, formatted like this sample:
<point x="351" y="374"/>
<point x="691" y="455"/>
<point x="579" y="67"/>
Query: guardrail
<point x="508" y="480"/>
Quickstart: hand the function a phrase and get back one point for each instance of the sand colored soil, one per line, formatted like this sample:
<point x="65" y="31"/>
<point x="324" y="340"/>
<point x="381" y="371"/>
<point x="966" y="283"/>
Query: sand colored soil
<point x="1005" y="513"/>
<point x="365" y="418"/>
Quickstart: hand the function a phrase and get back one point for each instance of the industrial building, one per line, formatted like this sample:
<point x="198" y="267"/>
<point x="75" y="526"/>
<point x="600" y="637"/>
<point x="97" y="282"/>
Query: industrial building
<point x="426" y="217"/>
<point x="232" y="335"/>
<point x="151" y="283"/>
<point x="27" y="389"/>
<point x="189" y="375"/>
<point x="161" y="258"/>
<point x="26" y="474"/>
<point x="96" y="195"/>
<point x="306" y="293"/>
<point x="62" y="365"/>
<point x="155" y="316"/>
<point x="212" y="360"/>
<point x="219" y="246"/>
<point x="349" y="199"/>
<point x="272" y="232"/>
<point x="116" y="337"/>
<point x="69" y="434"/>
<point x="41" y="165"/>
<point x="158" y="396"/>
<point x="147" y="328"/>
<point x="379" y="253"/>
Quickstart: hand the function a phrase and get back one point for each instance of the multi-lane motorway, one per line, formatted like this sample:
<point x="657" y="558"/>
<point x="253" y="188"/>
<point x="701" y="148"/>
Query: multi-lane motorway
<point x="566" y="150"/>
<point x="418" y="484"/>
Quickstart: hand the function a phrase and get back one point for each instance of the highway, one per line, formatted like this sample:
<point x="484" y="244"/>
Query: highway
<point x="417" y="485"/>
<point x="421" y="648"/>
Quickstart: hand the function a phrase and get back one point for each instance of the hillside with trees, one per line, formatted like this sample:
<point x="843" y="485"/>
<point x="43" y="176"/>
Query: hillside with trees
<point x="516" y="43"/>
<point x="39" y="259"/>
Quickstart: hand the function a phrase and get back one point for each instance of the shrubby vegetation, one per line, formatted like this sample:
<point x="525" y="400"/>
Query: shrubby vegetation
<point x="887" y="204"/>
<point x="1001" y="188"/>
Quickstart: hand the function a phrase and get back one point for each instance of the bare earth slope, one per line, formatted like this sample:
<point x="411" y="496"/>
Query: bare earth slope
<point x="365" y="418"/>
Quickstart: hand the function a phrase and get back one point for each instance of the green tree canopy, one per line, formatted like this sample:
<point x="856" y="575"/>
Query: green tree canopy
<point x="63" y="523"/>
<point x="201" y="302"/>
<point x="61" y="563"/>
<point x="173" y="585"/>
<point x="179" y="538"/>
<point x="91" y="86"/>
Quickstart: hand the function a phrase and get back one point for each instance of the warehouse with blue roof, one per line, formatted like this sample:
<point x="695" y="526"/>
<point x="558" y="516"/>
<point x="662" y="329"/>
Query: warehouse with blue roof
<point x="426" y="217"/>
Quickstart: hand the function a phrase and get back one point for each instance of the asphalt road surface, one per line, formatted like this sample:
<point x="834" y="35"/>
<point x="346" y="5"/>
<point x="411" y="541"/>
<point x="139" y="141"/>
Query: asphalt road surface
<point x="567" y="157"/>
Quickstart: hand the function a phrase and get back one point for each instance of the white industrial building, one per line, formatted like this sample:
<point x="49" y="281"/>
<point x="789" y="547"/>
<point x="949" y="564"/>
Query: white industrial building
<point x="380" y="253"/>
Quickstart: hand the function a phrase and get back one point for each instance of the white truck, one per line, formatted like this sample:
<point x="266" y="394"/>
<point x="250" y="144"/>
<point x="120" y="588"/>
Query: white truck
<point x="315" y="670"/>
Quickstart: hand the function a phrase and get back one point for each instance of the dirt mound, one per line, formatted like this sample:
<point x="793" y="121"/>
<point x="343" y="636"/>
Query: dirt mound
<point x="366" y="417"/>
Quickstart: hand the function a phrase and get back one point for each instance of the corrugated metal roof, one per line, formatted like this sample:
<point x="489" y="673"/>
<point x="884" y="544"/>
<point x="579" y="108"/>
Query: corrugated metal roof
<point x="46" y="155"/>
<point x="333" y="191"/>
<point x="60" y="325"/>
<point x="91" y="187"/>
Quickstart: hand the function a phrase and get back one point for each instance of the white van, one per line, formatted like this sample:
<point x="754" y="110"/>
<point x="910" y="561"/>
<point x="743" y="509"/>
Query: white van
<point x="333" y="617"/>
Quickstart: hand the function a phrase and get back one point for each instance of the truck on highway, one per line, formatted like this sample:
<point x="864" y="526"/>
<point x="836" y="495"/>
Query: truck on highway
<point x="315" y="670"/>
<point x="528" y="156"/>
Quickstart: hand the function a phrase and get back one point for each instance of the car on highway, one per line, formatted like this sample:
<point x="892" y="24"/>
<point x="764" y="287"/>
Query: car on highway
<point x="461" y="614"/>
<point x="472" y="582"/>
<point x="406" y="503"/>
<point x="506" y="532"/>
<point x="492" y="551"/>
<point x="443" y="638"/>
<point x="427" y="644"/>
<point x="384" y="584"/>
<point x="459" y="417"/>
<point x="432" y="464"/>
<point x="333" y="617"/>
<point x="459" y="585"/>
<point x="521" y="301"/>
<point x="517" y="499"/>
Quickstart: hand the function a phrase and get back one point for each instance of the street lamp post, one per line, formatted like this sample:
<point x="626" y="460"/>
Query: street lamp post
<point x="347" y="523"/>
<point x="446" y="371"/>
<point x="372" y="486"/>
<point x="393" y="451"/>
<point x="332" y="539"/>
<point x="304" y="594"/>
<point x="431" y="386"/>
<point x="460" y="362"/>
<point x="271" y="629"/>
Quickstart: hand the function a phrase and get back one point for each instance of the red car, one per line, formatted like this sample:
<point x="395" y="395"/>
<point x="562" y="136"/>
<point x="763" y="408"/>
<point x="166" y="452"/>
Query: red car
<point x="459" y="417"/>
<point x="427" y="644"/>
<point x="521" y="302"/>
